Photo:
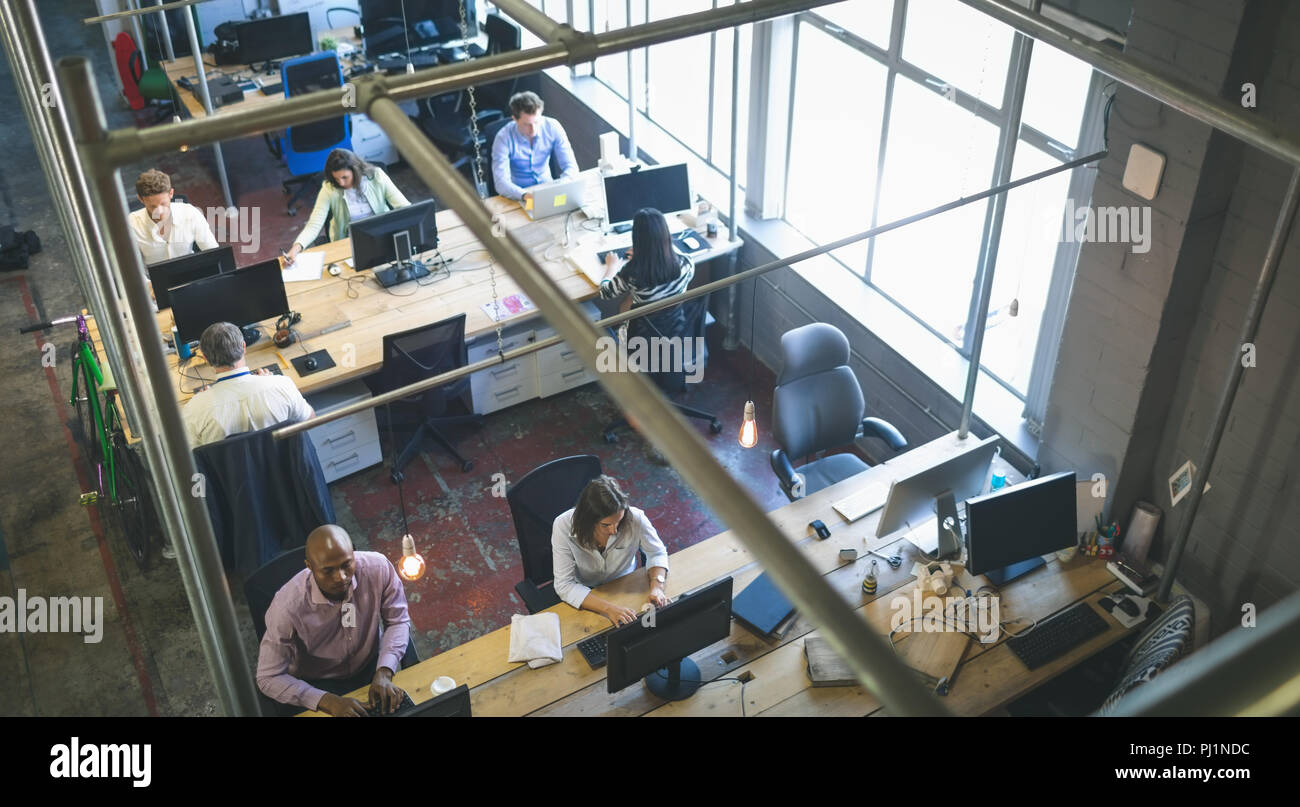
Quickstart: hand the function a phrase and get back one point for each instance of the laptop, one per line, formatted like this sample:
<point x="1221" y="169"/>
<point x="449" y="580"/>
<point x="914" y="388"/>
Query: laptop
<point x="553" y="198"/>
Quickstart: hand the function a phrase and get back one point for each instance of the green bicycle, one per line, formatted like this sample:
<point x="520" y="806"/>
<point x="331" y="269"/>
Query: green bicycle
<point x="120" y="479"/>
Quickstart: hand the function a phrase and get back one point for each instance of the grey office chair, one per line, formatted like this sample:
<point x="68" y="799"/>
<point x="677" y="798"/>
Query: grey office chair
<point x="818" y="405"/>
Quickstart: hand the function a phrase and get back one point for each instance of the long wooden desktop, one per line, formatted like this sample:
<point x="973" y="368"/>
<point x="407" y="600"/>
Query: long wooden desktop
<point x="989" y="676"/>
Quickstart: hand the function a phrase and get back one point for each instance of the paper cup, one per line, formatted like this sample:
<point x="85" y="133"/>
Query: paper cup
<point x="443" y="684"/>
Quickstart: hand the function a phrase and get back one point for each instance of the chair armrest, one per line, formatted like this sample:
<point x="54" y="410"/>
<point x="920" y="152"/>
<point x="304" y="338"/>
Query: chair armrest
<point x="784" y="472"/>
<point x="875" y="427"/>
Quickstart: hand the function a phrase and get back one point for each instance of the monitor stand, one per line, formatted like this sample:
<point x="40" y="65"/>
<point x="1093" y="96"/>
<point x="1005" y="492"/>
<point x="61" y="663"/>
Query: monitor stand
<point x="414" y="269"/>
<point x="251" y="334"/>
<point x="1013" y="570"/>
<point x="949" y="526"/>
<point x="678" y="681"/>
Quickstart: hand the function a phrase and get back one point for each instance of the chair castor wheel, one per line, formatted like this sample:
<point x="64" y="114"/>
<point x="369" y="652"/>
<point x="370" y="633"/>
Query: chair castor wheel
<point x="467" y="465"/>
<point x="715" y="426"/>
<point x="611" y="438"/>
<point x="397" y="477"/>
<point x="291" y="212"/>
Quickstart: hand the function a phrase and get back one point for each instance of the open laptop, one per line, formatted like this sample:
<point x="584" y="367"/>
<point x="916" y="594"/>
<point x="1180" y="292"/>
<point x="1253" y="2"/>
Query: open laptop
<point x="553" y="198"/>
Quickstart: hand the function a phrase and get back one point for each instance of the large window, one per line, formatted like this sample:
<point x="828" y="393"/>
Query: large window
<point x="911" y="99"/>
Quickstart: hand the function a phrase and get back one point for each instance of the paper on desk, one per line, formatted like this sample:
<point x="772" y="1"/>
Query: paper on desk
<point x="507" y="307"/>
<point x="307" y="266"/>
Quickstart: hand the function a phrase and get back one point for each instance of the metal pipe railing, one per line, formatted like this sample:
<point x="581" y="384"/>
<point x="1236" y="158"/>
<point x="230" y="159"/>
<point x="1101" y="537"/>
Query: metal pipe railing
<point x="165" y="30"/>
<point x="865" y="651"/>
<point x="728" y="282"/>
<point x="993" y="222"/>
<point x="129" y="145"/>
<point x="206" y="97"/>
<point x="1246" y="126"/>
<point x="532" y="18"/>
<point x="166" y="443"/>
<point x="135" y="12"/>
<point x="1249" y="327"/>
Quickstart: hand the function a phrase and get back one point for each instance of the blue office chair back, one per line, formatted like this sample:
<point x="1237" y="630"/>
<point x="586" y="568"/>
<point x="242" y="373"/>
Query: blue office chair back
<point x="306" y="146"/>
<point x="536" y="500"/>
<point x="818" y="402"/>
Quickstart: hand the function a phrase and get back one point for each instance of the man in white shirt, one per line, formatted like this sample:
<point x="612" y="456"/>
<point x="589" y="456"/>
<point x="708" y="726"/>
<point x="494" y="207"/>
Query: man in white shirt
<point x="240" y="400"/>
<point x="166" y="229"/>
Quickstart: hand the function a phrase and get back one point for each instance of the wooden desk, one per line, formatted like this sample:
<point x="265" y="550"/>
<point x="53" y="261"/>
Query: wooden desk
<point x="989" y="677"/>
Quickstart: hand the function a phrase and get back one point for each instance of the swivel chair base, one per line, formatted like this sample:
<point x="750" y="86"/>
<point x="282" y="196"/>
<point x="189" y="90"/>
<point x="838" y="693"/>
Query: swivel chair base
<point x="430" y="428"/>
<point x="715" y="425"/>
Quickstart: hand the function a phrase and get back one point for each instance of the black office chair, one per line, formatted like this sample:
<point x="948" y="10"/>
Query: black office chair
<point x="447" y="123"/>
<point x="535" y="501"/>
<point x="690" y="319"/>
<point x="260" y="589"/>
<point x="818" y="405"/>
<point x="415" y="355"/>
<point x="262" y="494"/>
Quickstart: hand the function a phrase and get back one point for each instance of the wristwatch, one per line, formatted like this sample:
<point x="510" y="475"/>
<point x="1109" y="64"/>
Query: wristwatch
<point x="661" y="578"/>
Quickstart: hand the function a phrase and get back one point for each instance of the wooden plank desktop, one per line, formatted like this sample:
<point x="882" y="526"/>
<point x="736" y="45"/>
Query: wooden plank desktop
<point x="989" y="677"/>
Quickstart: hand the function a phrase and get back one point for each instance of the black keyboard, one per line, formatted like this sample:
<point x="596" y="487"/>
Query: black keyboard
<point x="407" y="705"/>
<point x="1058" y="635"/>
<point x="593" y="650"/>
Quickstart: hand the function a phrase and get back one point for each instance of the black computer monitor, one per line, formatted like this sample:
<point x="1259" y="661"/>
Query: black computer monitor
<point x="452" y="703"/>
<point x="396" y="26"/>
<point x="658" y="653"/>
<point x="394" y="236"/>
<point x="934" y="492"/>
<point x="275" y="38"/>
<point x="243" y="297"/>
<point x="168" y="274"/>
<point x="666" y="188"/>
<point x="1008" y="530"/>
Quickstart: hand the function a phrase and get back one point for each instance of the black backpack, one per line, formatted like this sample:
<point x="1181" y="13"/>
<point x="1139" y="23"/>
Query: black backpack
<point x="15" y="248"/>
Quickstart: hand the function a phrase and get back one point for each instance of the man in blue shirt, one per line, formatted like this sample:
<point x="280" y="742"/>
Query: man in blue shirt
<point x="521" y="154"/>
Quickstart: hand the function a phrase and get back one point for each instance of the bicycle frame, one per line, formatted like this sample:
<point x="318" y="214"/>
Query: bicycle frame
<point x="85" y="357"/>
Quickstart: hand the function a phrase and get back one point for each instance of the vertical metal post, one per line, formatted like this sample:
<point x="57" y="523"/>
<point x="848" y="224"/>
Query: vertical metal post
<point x="160" y="427"/>
<point x="207" y="101"/>
<point x="1249" y="328"/>
<point x="731" y="337"/>
<point x="631" y="95"/>
<point x="139" y="36"/>
<point x="166" y="32"/>
<point x="993" y="221"/>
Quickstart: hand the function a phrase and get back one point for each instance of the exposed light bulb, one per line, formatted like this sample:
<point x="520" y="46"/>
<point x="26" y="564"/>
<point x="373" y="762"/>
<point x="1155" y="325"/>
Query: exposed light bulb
<point x="749" y="427"/>
<point x="411" y="567"/>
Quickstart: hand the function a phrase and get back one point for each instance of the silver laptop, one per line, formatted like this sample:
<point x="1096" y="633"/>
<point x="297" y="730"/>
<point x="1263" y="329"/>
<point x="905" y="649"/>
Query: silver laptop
<point x="553" y="198"/>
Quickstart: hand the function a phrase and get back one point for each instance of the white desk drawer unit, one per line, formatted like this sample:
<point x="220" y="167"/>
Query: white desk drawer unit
<point x="348" y="444"/>
<point x="544" y="373"/>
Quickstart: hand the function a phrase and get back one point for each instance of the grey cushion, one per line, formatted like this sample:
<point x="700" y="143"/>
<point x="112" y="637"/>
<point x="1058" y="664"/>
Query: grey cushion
<point x="827" y="471"/>
<point x="818" y="403"/>
<point x="1162" y="643"/>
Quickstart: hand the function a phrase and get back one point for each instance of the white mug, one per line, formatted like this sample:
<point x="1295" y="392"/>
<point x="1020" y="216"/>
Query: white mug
<point x="443" y="683"/>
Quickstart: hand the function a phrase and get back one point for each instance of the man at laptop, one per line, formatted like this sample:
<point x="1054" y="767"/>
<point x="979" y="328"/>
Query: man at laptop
<point x="165" y="228"/>
<point x="323" y="636"/>
<point x="240" y="400"/>
<point x="521" y="154"/>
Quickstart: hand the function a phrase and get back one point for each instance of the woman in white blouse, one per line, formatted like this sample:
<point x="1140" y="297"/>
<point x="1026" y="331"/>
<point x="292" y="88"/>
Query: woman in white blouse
<point x="597" y="541"/>
<point x="352" y="190"/>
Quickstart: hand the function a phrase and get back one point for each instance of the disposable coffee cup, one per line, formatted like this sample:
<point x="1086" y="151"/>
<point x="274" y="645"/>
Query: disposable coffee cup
<point x="443" y="683"/>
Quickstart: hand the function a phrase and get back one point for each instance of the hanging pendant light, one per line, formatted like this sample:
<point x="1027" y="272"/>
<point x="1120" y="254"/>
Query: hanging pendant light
<point x="749" y="427"/>
<point x="412" y="566"/>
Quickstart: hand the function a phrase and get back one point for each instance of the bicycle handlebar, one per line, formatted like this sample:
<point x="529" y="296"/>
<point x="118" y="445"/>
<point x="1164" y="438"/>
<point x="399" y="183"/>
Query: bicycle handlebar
<point x="40" y="326"/>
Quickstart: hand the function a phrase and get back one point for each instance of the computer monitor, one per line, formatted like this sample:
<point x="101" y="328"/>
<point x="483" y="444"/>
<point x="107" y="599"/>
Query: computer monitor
<point x="666" y="188"/>
<point x="168" y="274"/>
<point x="274" y="38"/>
<point x="394" y="237"/>
<point x="452" y="703"/>
<point x="1008" y="530"/>
<point x="935" y="491"/>
<point x="658" y="652"/>
<point x="243" y="297"/>
<point x="396" y="26"/>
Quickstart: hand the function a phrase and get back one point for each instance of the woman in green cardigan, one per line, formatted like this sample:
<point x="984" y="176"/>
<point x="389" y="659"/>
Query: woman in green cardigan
<point x="353" y="189"/>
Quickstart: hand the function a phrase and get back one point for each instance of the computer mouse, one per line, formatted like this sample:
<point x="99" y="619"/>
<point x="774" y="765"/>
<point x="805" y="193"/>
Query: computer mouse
<point x="1129" y="607"/>
<point x="309" y="363"/>
<point x="335" y="269"/>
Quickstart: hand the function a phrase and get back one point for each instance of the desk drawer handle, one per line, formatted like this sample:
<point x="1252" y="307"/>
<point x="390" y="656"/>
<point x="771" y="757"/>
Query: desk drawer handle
<point x="566" y="355"/>
<point x="571" y="373"/>
<point x="349" y="458"/>
<point x="511" y="391"/>
<point x="504" y="371"/>
<point x="351" y="434"/>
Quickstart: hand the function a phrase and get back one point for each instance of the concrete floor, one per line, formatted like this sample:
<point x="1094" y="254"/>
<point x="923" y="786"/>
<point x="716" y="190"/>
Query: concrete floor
<point x="149" y="661"/>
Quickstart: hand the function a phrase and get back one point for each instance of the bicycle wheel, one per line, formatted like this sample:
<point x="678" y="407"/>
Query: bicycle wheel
<point x="133" y="509"/>
<point x="86" y="429"/>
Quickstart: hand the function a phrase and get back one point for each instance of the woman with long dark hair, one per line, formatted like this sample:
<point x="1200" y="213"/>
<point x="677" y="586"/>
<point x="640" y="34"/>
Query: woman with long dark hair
<point x="597" y="541"/>
<point x="352" y="189"/>
<point x="653" y="269"/>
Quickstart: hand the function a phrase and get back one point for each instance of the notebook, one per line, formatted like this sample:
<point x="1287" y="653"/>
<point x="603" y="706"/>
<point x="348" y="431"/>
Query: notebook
<point x="761" y="607"/>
